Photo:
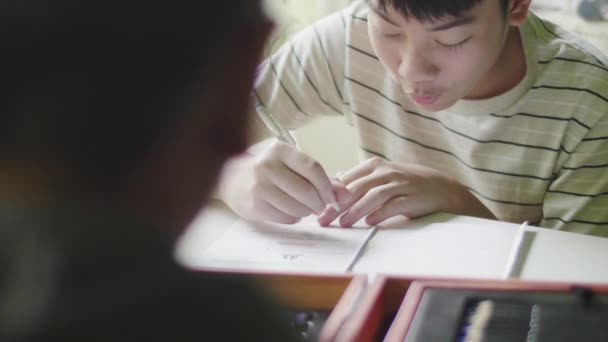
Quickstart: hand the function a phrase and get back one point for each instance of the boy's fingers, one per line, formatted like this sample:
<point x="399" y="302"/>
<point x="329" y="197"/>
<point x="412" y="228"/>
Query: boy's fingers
<point x="270" y="213"/>
<point x="358" y="171"/>
<point x="314" y="173"/>
<point x="327" y="216"/>
<point x="399" y="206"/>
<point x="343" y="196"/>
<point x="372" y="200"/>
<point x="287" y="204"/>
<point x="299" y="188"/>
<point x="341" y="192"/>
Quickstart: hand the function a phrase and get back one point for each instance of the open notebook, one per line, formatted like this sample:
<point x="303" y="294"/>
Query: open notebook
<point x="439" y="245"/>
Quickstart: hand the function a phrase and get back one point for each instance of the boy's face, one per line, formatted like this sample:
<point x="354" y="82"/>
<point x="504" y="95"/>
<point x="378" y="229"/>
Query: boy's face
<point x="439" y="62"/>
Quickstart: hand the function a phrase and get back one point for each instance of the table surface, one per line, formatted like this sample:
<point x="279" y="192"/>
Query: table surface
<point x="553" y="256"/>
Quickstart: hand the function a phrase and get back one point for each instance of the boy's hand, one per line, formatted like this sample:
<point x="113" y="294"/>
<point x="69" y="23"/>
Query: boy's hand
<point x="281" y="184"/>
<point x="382" y="189"/>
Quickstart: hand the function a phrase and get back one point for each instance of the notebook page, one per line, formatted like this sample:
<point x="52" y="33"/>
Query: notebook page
<point x="304" y="246"/>
<point x="451" y="246"/>
<point x="566" y="256"/>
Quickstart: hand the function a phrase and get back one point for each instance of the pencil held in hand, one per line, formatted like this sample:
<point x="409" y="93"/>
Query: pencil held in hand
<point x="282" y="134"/>
<point x="279" y="132"/>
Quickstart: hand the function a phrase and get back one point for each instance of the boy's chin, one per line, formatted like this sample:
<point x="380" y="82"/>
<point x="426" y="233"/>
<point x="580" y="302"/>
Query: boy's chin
<point x="437" y="106"/>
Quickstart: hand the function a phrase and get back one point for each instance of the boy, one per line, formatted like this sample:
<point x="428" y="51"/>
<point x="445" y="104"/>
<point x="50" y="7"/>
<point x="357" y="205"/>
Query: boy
<point x="472" y="107"/>
<point x="116" y="119"/>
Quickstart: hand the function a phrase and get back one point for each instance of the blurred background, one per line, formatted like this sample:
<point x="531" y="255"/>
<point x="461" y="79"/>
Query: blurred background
<point x="588" y="18"/>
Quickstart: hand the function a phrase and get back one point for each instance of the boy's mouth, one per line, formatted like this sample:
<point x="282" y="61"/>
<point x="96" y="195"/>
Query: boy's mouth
<point x="423" y="99"/>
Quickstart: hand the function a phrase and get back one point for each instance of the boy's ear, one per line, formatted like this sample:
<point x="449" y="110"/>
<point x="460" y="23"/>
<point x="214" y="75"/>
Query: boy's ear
<point x="518" y="11"/>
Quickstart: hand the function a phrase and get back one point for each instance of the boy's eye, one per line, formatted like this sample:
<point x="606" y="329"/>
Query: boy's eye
<point x="454" y="45"/>
<point x="391" y="35"/>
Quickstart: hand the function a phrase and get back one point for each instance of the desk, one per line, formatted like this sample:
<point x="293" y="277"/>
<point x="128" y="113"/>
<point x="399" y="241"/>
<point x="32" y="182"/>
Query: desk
<point x="554" y="255"/>
<point x="565" y="258"/>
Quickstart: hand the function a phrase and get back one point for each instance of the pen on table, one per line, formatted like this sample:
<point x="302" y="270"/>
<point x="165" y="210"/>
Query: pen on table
<point x="519" y="251"/>
<point x="359" y="252"/>
<point x="280" y="133"/>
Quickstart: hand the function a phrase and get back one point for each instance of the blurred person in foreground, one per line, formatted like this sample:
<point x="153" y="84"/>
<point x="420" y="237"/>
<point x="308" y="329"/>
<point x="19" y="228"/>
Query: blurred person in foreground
<point x="116" y="119"/>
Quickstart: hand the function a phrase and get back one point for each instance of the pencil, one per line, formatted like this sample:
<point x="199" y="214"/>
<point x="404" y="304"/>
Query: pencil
<point x="518" y="252"/>
<point x="359" y="251"/>
<point x="279" y="132"/>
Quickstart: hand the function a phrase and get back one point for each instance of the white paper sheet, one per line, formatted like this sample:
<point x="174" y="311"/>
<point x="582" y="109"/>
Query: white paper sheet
<point x="439" y="245"/>
<point x="462" y="247"/>
<point x="304" y="246"/>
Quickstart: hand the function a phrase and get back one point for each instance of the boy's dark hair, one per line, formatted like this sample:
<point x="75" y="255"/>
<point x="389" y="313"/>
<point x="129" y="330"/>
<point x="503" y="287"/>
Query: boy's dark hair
<point x="91" y="85"/>
<point x="425" y="10"/>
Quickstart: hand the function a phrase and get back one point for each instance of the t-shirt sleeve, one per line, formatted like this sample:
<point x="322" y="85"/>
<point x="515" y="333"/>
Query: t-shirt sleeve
<point x="304" y="78"/>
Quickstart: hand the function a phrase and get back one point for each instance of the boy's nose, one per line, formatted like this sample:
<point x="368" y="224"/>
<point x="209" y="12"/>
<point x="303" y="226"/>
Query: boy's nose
<point x="414" y="67"/>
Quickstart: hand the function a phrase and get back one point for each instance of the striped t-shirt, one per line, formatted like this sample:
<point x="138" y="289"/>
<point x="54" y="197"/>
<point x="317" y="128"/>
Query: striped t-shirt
<point x="538" y="152"/>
